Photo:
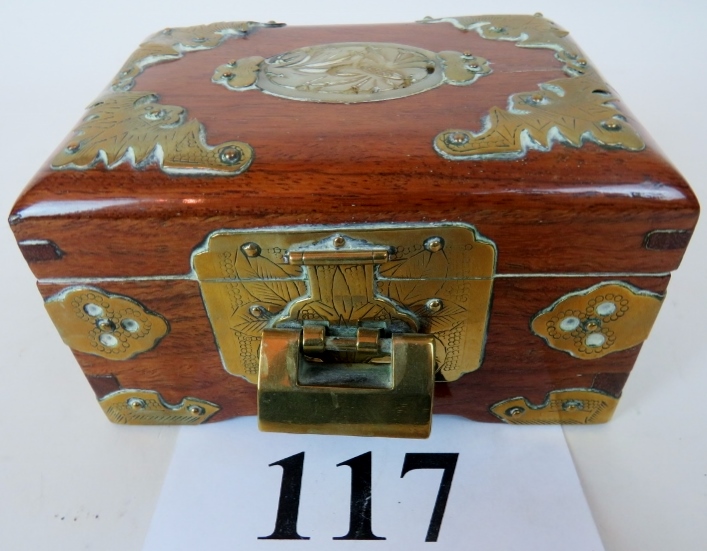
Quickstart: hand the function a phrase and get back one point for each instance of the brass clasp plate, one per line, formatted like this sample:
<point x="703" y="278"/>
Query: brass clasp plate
<point x="338" y="325"/>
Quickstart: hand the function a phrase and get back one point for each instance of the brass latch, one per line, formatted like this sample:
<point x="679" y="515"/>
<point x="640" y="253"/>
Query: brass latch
<point x="336" y="375"/>
<point x="305" y="394"/>
<point x="346" y="329"/>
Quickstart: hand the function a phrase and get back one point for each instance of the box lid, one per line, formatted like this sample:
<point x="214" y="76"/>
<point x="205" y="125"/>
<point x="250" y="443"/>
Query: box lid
<point x="495" y="121"/>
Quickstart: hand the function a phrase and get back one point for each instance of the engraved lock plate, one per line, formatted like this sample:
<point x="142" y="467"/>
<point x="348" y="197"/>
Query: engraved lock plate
<point x="345" y="328"/>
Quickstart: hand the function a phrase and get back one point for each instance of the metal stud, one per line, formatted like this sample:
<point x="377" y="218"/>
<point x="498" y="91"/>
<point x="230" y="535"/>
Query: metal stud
<point x="137" y="403"/>
<point x="105" y="324"/>
<point x="230" y="155"/>
<point x="611" y="125"/>
<point x="339" y="241"/>
<point x="196" y="410"/>
<point x="434" y="244"/>
<point x="515" y="411"/>
<point x="572" y="405"/>
<point x="434" y="305"/>
<point x="251" y="249"/>
<point x="457" y="138"/>
<point x="256" y="311"/>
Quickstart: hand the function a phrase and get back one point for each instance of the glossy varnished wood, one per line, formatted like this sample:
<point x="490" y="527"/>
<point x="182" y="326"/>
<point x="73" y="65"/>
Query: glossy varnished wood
<point x="570" y="209"/>
<point x="516" y="362"/>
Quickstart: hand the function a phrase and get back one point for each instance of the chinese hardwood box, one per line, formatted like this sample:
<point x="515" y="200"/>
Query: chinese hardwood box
<point x="333" y="227"/>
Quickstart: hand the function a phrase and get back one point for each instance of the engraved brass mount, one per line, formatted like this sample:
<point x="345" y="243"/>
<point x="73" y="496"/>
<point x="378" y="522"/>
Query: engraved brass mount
<point x="571" y="110"/>
<point x="147" y="407"/>
<point x="606" y="318"/>
<point x="574" y="406"/>
<point x="114" y="327"/>
<point x="344" y="329"/>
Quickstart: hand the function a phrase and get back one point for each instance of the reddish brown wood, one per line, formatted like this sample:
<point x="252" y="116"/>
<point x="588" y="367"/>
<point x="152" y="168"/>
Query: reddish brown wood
<point x="574" y="210"/>
<point x="582" y="210"/>
<point x="40" y="251"/>
<point x="668" y="240"/>
<point x="516" y="362"/>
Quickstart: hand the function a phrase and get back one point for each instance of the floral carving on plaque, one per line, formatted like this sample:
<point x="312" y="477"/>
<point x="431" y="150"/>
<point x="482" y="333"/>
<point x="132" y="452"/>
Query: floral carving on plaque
<point x="351" y="72"/>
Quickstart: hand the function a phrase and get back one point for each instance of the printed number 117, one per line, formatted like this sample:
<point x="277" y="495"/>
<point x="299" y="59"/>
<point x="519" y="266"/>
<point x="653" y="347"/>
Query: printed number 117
<point x="360" y="509"/>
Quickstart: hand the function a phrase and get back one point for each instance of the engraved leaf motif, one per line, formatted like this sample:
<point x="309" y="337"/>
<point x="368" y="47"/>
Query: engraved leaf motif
<point x="132" y="127"/>
<point x="273" y="292"/>
<point x="171" y="44"/>
<point x="572" y="110"/>
<point x="261" y="267"/>
<point x="348" y="69"/>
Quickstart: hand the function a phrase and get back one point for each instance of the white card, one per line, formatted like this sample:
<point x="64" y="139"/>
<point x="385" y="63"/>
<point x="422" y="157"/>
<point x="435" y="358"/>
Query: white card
<point x="512" y="488"/>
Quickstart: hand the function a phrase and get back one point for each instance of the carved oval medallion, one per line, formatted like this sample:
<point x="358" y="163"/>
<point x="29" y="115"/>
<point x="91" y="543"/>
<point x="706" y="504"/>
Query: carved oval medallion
<point x="351" y="72"/>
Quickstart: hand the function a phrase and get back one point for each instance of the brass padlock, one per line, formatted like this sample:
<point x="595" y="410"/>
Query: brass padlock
<point x="346" y="329"/>
<point x="297" y="393"/>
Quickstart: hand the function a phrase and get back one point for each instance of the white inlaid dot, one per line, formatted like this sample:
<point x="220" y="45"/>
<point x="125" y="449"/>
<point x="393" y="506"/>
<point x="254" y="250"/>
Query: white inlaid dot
<point x="569" y="324"/>
<point x="130" y="325"/>
<point x="595" y="339"/>
<point x="93" y="309"/>
<point x="108" y="340"/>
<point x="606" y="308"/>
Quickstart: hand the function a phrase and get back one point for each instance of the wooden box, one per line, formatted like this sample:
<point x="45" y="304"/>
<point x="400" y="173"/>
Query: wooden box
<point x="331" y="225"/>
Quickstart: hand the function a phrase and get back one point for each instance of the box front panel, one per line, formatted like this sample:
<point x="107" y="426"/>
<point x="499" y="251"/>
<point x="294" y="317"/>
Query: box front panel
<point x="185" y="367"/>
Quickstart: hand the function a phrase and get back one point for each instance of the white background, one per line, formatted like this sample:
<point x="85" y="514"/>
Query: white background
<point x="511" y="490"/>
<point x="70" y="480"/>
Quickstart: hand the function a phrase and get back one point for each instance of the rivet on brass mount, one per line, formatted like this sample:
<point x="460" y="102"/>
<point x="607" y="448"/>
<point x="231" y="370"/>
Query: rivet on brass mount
<point x="173" y="43"/>
<point x="129" y="127"/>
<point x="573" y="406"/>
<point x="404" y="265"/>
<point x="196" y="410"/>
<point x="515" y="411"/>
<point x="114" y="327"/>
<point x="434" y="244"/>
<point x="571" y="110"/>
<point x="230" y="155"/>
<point x="136" y="403"/>
<point x="251" y="249"/>
<point x="147" y="407"/>
<point x="591" y="323"/>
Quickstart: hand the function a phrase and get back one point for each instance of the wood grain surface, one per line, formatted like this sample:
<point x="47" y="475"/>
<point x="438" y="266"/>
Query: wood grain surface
<point x="516" y="362"/>
<point x="583" y="210"/>
<point x="570" y="209"/>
